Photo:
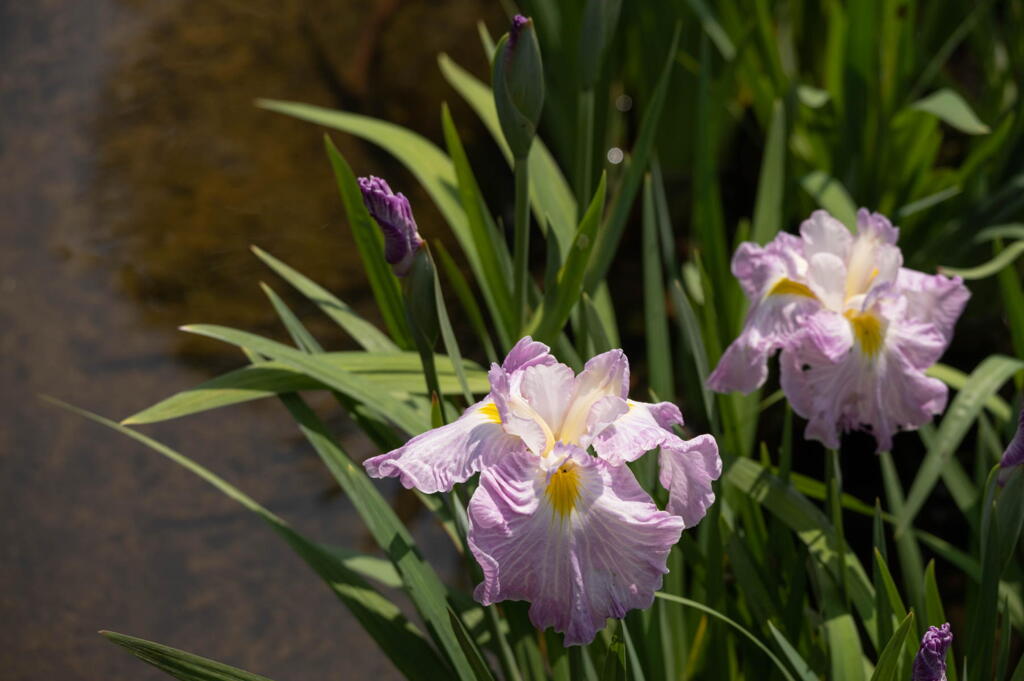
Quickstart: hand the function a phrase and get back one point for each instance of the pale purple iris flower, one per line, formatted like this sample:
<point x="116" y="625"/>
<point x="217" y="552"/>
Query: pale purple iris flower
<point x="930" y="662"/>
<point x="857" y="330"/>
<point x="394" y="215"/>
<point x="550" y="523"/>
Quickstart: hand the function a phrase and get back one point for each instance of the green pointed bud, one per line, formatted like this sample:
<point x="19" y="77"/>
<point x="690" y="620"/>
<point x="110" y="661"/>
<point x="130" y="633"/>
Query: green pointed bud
<point x="518" y="83"/>
<point x="420" y="302"/>
<point x="600" y="17"/>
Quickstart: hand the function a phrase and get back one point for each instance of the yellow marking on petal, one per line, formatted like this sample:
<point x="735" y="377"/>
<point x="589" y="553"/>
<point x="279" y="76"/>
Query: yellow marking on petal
<point x="490" y="410"/>
<point x="788" y="287"/>
<point x="867" y="329"/>
<point x="564" y="488"/>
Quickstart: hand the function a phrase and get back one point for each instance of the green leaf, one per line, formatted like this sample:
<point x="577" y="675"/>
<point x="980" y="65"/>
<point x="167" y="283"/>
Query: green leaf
<point x="615" y="659"/>
<point x="301" y="336"/>
<point x="659" y="355"/>
<point x="550" y="194"/>
<point x="482" y="228"/>
<point x="394" y="374"/>
<point x="399" y="639"/>
<point x="178" y="663"/>
<point x="983" y="382"/>
<point x="732" y="623"/>
<point x="369" y="241"/>
<point x="891" y="592"/>
<point x="401" y="412"/>
<point x="472" y="653"/>
<point x="611" y="232"/>
<point x="466" y="299"/>
<point x="830" y="195"/>
<point x="771" y="185"/>
<point x="1013" y="230"/>
<point x="1003" y="259"/>
<point x="364" y="333"/>
<point x="934" y="613"/>
<point x="957" y="379"/>
<point x="713" y="29"/>
<point x="888" y="668"/>
<point x="421" y="581"/>
<point x="950" y="107"/>
<point x="558" y="302"/>
<point x="451" y="345"/>
<point x="686" y="318"/>
<point x="811" y="527"/>
<point x="799" y="665"/>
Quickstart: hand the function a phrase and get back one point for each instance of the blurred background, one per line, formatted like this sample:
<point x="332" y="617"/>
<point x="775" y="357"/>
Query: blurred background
<point x="137" y="172"/>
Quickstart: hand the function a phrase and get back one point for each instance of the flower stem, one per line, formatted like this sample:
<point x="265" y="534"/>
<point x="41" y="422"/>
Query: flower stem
<point x="521" y="246"/>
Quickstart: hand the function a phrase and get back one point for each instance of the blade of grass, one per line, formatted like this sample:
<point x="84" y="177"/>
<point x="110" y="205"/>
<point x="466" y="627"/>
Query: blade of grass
<point x="659" y="357"/>
<point x="369" y="242"/>
<point x="364" y="333"/>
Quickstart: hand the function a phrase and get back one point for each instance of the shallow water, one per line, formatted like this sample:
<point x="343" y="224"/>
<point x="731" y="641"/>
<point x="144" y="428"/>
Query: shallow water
<point x="136" y="172"/>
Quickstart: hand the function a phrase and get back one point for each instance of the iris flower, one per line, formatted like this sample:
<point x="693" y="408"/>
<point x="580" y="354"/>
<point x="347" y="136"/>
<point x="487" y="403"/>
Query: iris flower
<point x="856" y="329"/>
<point x="550" y="523"/>
<point x="930" y="662"/>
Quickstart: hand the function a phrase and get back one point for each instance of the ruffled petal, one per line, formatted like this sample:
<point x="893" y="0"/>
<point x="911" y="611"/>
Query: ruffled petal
<point x="881" y="394"/>
<point x="876" y="226"/>
<point x="822" y="233"/>
<point x="547" y="390"/>
<point x="933" y="298"/>
<point x="758" y="268"/>
<point x="527" y="352"/>
<point x="642" y="428"/>
<point x="770" y="325"/>
<point x="439" y="458"/>
<point x="516" y="416"/>
<point x="578" y="565"/>
<point x="687" y="469"/>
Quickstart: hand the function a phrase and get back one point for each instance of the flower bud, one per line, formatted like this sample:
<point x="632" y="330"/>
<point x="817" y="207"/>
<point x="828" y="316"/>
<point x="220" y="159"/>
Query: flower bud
<point x="394" y="215"/>
<point x="518" y="83"/>
<point x="930" y="663"/>
<point x="420" y="301"/>
<point x="600" y="18"/>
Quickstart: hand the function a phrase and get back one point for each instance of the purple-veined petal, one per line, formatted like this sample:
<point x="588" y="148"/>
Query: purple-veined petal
<point x="527" y="352"/>
<point x="437" y="459"/>
<point x="770" y="325"/>
<point x="933" y="298"/>
<point x="582" y="548"/>
<point x="603" y="375"/>
<point x="881" y="392"/>
<point x="686" y="471"/>
<point x="642" y="428"/>
<point x="758" y="268"/>
<point x="516" y="417"/>
<point x="930" y="661"/>
<point x="876" y="226"/>
<point x="822" y="233"/>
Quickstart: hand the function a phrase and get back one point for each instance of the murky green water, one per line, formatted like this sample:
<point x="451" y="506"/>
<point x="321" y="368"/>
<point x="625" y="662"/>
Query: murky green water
<point x="135" y="174"/>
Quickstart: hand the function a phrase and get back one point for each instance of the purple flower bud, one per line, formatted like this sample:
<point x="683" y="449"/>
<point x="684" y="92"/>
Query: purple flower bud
<point x="518" y="21"/>
<point x="394" y="215"/>
<point x="930" y="663"/>
<point x="1014" y="454"/>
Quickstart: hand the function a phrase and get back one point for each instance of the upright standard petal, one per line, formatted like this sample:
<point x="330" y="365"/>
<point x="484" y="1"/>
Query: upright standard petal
<point x="580" y="540"/>
<point x="930" y="661"/>
<point x="439" y="458"/>
<point x="526" y="353"/>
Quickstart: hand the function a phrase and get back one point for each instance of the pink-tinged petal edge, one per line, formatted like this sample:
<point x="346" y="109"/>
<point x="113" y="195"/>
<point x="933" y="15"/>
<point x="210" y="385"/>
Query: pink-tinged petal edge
<point x="605" y="558"/>
<point x="527" y="352"/>
<point x="687" y="470"/>
<point x="642" y="428"/>
<point x="437" y="459"/>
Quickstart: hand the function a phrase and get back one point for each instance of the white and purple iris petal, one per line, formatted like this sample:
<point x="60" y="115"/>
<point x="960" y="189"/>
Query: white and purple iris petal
<point x="394" y="215"/>
<point x="572" y="534"/>
<point x="857" y="330"/>
<point x="602" y="541"/>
